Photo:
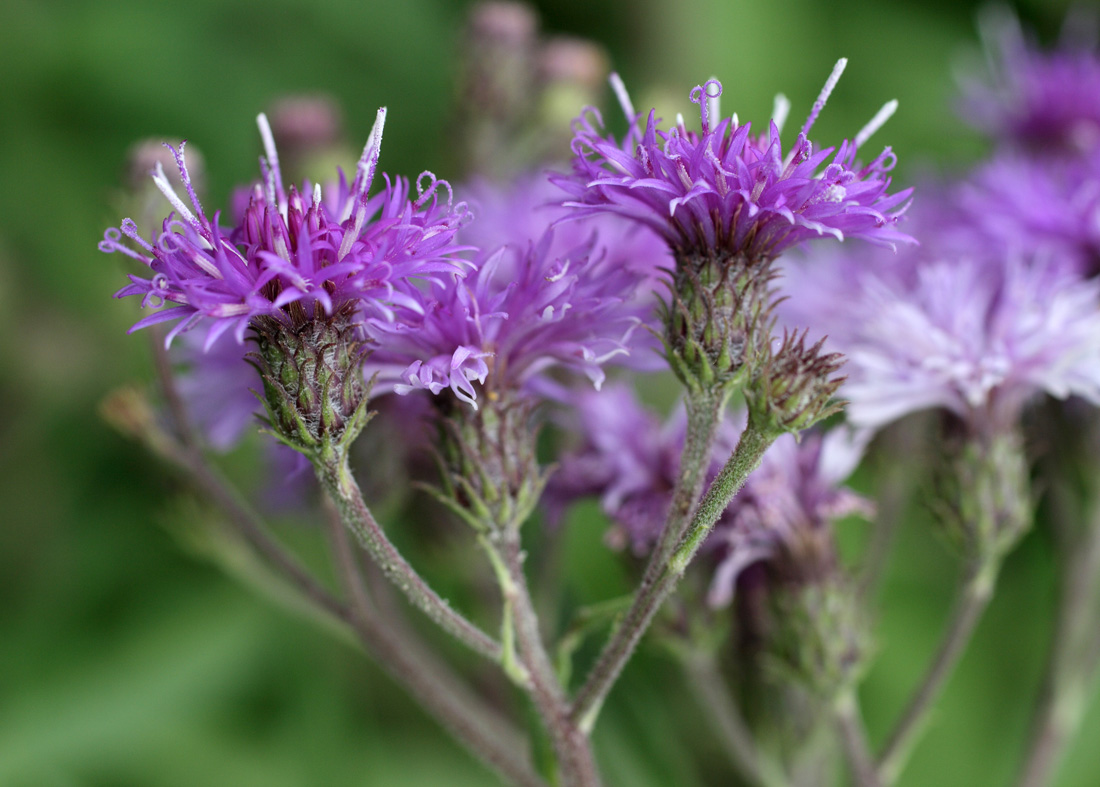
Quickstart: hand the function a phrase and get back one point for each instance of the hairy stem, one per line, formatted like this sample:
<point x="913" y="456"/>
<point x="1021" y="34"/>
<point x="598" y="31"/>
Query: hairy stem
<point x="714" y="697"/>
<point x="853" y="736"/>
<point x="975" y="596"/>
<point x="745" y="458"/>
<point x="571" y="746"/>
<point x="337" y="480"/>
<point x="480" y="729"/>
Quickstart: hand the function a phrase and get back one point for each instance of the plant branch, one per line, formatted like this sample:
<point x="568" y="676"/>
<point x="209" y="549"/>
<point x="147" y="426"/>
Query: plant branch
<point x="745" y="458"/>
<point x="1072" y="667"/>
<point x="483" y="731"/>
<point x="714" y="697"/>
<point x="337" y="480"/>
<point x="854" y="738"/>
<point x="976" y="594"/>
<point x="571" y="746"/>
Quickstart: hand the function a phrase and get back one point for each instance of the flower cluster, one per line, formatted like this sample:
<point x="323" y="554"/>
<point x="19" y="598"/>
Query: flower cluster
<point x="725" y="189"/>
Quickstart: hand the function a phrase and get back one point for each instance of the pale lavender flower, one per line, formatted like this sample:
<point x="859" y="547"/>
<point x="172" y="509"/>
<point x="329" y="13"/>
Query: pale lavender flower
<point x="323" y="249"/>
<point x="727" y="190"/>
<point x="976" y="335"/>
<point x="536" y="299"/>
<point x="1048" y="102"/>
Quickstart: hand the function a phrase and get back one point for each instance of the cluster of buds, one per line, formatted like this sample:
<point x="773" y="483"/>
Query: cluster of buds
<point x="519" y="88"/>
<point x="792" y="387"/>
<point x="314" y="390"/>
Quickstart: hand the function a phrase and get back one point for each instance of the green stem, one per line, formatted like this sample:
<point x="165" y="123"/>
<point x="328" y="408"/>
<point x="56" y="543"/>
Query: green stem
<point x="572" y="748"/>
<point x="1072" y="666"/>
<point x="337" y="480"/>
<point x="975" y="597"/>
<point x="745" y="458"/>
<point x="854" y="738"/>
<point x="480" y="729"/>
<point x="713" y="696"/>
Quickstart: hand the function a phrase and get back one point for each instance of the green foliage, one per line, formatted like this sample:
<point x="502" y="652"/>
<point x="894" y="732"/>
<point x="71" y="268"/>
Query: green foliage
<point x="125" y="660"/>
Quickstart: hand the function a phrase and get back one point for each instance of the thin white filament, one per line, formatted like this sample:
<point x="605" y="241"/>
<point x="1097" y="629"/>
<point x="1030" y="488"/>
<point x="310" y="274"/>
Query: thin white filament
<point x="622" y="96"/>
<point x="781" y="109"/>
<point x="877" y="122"/>
<point x="161" y="181"/>
<point x="826" y="91"/>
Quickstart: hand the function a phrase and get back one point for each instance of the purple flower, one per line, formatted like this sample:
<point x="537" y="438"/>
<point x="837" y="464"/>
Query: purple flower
<point x="1028" y="205"/>
<point x="630" y="460"/>
<point x="291" y="251"/>
<point x="978" y="336"/>
<point x="728" y="190"/>
<point x="216" y="384"/>
<point x="1044" y="101"/>
<point x="568" y="297"/>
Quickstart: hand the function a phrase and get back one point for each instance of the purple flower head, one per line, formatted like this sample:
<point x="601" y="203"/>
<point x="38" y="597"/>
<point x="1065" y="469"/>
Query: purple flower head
<point x="559" y="298"/>
<point x="976" y="336"/>
<point x="1028" y="205"/>
<point x="292" y="252"/>
<point x="1043" y="101"/>
<point x="725" y="189"/>
<point x="630" y="460"/>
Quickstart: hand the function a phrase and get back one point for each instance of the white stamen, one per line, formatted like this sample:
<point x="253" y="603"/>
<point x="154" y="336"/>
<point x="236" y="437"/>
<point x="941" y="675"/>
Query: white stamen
<point x="367" y="162"/>
<point x="679" y="120"/>
<point x="880" y="118"/>
<point x="736" y="121"/>
<point x="316" y="193"/>
<point x="161" y="180"/>
<point x="714" y="107"/>
<point x="269" y="143"/>
<point x="823" y="96"/>
<point x="623" y="97"/>
<point x="781" y="108"/>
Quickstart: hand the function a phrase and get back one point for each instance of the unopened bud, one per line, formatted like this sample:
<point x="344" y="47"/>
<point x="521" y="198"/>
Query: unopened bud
<point x="793" y="386"/>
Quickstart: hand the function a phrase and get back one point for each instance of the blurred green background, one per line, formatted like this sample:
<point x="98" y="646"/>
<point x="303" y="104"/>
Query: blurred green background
<point x="124" y="660"/>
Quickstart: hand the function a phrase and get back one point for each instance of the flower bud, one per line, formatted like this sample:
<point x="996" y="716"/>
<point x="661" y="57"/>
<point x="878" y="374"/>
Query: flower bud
<point x="793" y="387"/>
<point x="314" y="389"/>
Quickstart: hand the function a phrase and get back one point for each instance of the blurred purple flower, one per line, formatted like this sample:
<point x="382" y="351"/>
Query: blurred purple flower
<point x="326" y="250"/>
<point x="1047" y="102"/>
<point x="1028" y="205"/>
<point x="726" y="190"/>
<point x="786" y="509"/>
<point x="536" y="298"/>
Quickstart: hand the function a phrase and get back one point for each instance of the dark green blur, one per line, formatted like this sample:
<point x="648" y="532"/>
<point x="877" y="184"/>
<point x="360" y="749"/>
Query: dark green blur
<point x="125" y="658"/>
